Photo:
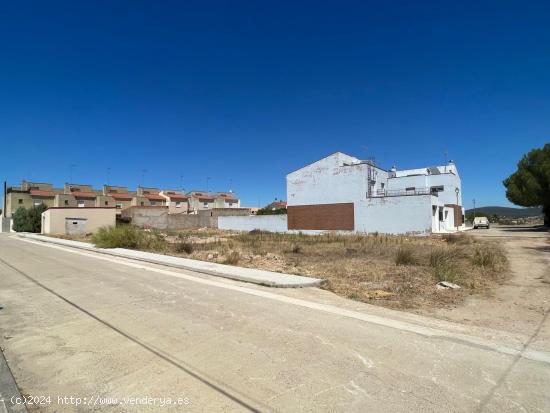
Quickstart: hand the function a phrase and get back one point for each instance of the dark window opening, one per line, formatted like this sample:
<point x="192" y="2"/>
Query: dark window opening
<point x="20" y="201"/>
<point x="66" y="202"/>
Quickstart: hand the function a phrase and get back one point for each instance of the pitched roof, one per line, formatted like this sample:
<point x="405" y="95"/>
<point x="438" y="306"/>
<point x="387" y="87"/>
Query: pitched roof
<point x="120" y="195"/>
<point x="83" y="194"/>
<point x="154" y="197"/>
<point x="38" y="192"/>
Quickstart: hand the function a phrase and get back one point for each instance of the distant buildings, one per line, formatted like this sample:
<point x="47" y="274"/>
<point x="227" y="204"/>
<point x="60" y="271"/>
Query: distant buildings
<point x="30" y="194"/>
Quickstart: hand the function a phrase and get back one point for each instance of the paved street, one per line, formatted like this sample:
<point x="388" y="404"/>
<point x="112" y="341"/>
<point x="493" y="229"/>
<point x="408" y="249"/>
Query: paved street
<point x="79" y="324"/>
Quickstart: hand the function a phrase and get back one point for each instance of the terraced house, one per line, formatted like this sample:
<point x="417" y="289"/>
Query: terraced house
<point x="29" y="194"/>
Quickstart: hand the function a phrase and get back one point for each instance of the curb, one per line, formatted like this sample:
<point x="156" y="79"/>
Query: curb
<point x="297" y="281"/>
<point x="9" y="390"/>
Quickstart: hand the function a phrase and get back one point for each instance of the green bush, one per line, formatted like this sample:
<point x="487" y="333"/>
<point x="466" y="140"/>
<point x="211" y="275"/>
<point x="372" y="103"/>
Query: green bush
<point x="28" y="220"/>
<point x="122" y="236"/>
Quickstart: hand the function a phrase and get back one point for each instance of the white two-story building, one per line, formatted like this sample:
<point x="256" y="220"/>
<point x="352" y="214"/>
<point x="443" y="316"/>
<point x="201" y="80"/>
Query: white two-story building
<point x="343" y="193"/>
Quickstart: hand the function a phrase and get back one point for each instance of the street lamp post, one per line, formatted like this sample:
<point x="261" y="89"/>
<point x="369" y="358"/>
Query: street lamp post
<point x="456" y="213"/>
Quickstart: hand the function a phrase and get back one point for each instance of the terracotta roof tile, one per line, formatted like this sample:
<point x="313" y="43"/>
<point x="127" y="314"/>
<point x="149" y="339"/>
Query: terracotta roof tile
<point x="38" y="192"/>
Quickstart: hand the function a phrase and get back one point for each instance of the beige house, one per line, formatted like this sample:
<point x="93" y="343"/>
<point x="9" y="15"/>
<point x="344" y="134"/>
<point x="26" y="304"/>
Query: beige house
<point x="177" y="201"/>
<point x="30" y="194"/>
<point x="200" y="200"/>
<point x="77" y="220"/>
<point x="226" y="200"/>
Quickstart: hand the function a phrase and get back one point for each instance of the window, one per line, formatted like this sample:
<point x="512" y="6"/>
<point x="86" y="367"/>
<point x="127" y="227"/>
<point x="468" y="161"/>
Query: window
<point x="20" y="201"/>
<point x="205" y="204"/>
<point x="80" y="204"/>
<point x="230" y="204"/>
<point x="142" y="203"/>
<point x="106" y="203"/>
<point x="410" y="188"/>
<point x="119" y="206"/>
<point x="178" y="204"/>
<point x="66" y="202"/>
<point x="153" y="202"/>
<point x="382" y="185"/>
<point x="435" y="189"/>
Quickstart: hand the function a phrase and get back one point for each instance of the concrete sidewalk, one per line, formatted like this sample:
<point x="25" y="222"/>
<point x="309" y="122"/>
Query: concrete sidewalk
<point x="251" y="275"/>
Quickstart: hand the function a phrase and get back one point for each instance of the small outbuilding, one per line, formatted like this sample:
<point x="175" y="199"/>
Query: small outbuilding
<point x="77" y="221"/>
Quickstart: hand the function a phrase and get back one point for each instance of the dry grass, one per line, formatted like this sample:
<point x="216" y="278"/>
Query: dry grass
<point x="394" y="271"/>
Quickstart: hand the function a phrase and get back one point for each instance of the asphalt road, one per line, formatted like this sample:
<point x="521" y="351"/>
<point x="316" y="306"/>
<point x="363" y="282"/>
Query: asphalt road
<point x="103" y="330"/>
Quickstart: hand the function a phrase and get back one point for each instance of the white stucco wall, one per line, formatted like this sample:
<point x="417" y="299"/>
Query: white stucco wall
<point x="396" y="215"/>
<point x="329" y="181"/>
<point x="273" y="223"/>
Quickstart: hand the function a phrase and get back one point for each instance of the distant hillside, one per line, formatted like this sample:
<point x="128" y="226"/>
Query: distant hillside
<point x="507" y="212"/>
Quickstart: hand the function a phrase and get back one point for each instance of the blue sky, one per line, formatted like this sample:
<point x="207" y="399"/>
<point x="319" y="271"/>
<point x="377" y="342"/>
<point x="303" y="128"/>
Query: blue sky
<point x="245" y="92"/>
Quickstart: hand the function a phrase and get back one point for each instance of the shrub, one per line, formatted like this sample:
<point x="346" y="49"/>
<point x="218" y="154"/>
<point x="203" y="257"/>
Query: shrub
<point x="444" y="265"/>
<point x="28" y="220"/>
<point x="186" y="247"/>
<point x="488" y="257"/>
<point x="232" y="258"/>
<point x="405" y="256"/>
<point x="122" y="236"/>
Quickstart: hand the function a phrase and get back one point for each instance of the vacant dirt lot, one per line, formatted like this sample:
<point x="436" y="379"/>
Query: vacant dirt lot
<point x="522" y="302"/>
<point x="393" y="271"/>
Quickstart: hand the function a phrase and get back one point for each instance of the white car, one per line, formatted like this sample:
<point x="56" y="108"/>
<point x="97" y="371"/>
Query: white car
<point x="481" y="222"/>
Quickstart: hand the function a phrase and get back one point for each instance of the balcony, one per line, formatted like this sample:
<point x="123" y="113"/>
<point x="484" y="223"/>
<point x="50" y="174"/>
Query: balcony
<point x="380" y="193"/>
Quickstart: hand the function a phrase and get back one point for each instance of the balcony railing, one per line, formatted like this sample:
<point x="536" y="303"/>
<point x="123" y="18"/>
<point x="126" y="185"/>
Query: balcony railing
<point x="404" y="192"/>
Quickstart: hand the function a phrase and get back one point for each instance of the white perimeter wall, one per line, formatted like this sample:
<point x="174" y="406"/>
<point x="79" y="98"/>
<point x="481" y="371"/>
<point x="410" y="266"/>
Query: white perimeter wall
<point x="396" y="215"/>
<point x="273" y="223"/>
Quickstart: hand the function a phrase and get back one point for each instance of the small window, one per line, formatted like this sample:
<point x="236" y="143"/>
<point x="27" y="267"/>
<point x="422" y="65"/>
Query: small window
<point x="178" y="204"/>
<point x="20" y="201"/>
<point x="142" y="203"/>
<point x="382" y="185"/>
<point x="80" y="204"/>
<point x="66" y="202"/>
<point x="410" y="188"/>
<point x="106" y="203"/>
<point x="438" y="188"/>
<point x="206" y="204"/>
<point x="153" y="202"/>
<point x="119" y="206"/>
<point x="230" y="204"/>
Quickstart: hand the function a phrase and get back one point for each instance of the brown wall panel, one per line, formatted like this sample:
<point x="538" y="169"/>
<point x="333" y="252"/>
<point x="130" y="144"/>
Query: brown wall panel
<point x="321" y="217"/>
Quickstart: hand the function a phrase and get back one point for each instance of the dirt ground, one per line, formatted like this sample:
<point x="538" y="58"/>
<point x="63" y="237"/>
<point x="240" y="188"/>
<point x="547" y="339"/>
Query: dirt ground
<point x="522" y="302"/>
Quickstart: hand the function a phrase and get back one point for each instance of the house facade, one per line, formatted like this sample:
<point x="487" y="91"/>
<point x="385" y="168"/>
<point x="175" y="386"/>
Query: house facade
<point x="29" y="194"/>
<point x="343" y="193"/>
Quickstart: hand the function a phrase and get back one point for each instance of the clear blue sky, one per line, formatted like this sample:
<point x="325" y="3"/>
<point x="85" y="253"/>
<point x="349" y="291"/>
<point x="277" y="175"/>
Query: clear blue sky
<point x="249" y="91"/>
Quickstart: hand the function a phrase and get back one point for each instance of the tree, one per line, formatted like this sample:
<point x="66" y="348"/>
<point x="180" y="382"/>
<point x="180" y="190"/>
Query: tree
<point x="28" y="220"/>
<point x="530" y="184"/>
